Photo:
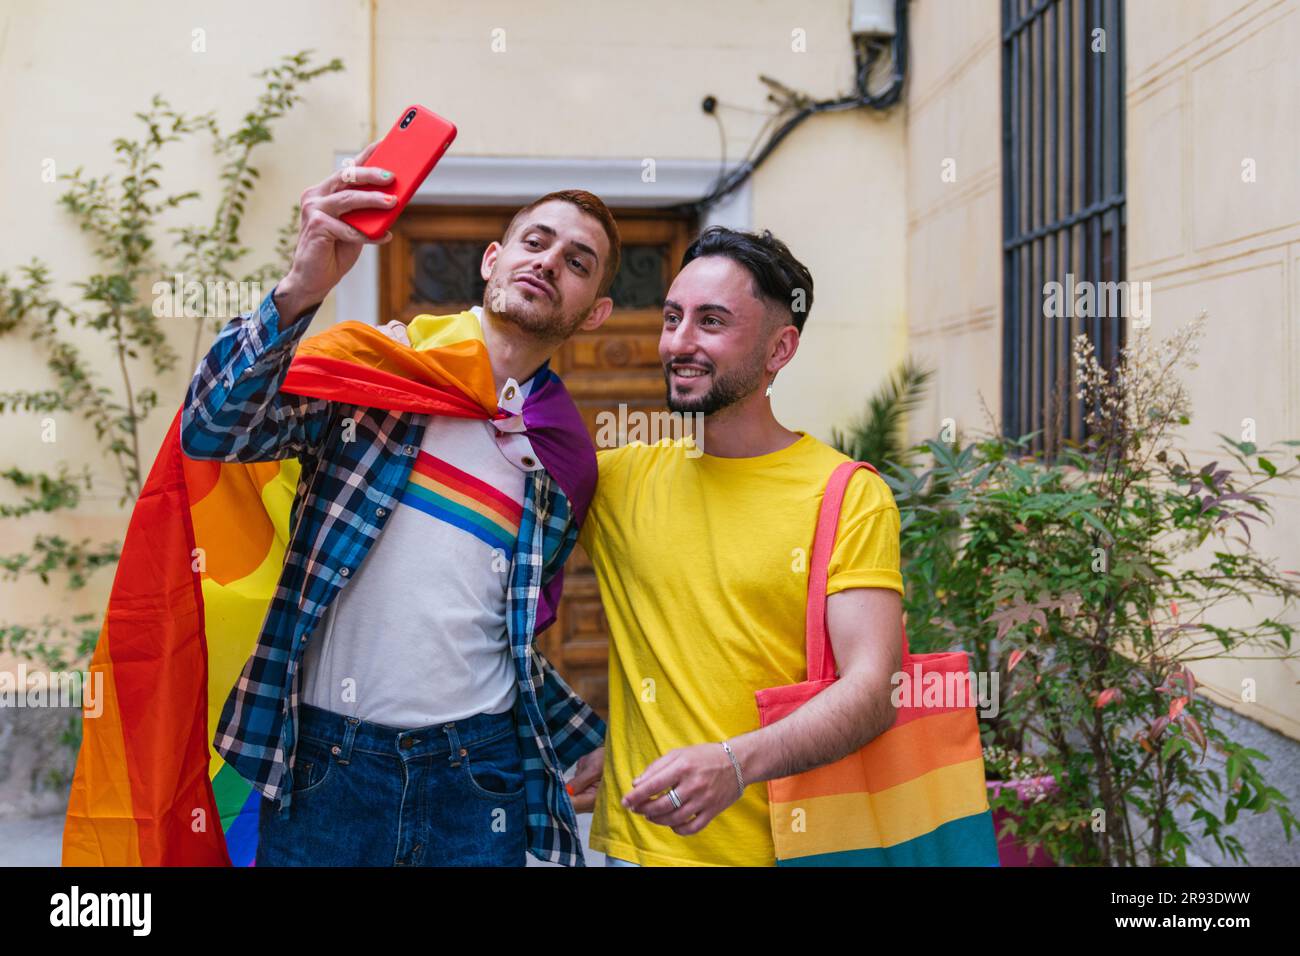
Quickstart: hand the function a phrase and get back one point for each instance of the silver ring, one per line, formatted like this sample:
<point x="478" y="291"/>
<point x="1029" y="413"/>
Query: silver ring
<point x="672" y="795"/>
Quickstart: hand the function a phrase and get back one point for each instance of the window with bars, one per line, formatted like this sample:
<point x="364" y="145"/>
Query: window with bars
<point x="1063" y="204"/>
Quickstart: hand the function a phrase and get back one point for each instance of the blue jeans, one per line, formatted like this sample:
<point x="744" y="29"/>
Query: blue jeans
<point x="369" y="795"/>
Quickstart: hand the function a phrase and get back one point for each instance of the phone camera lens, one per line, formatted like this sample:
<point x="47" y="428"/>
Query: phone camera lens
<point x="406" y="121"/>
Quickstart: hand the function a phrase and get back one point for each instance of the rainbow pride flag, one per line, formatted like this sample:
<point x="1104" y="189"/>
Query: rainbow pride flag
<point x="202" y="556"/>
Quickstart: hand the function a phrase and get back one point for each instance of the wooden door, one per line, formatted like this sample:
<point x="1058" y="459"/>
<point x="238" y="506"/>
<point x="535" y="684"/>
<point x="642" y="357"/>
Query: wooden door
<point x="432" y="266"/>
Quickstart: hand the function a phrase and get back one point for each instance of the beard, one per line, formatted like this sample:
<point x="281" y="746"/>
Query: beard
<point x="726" y="389"/>
<point x="539" y="317"/>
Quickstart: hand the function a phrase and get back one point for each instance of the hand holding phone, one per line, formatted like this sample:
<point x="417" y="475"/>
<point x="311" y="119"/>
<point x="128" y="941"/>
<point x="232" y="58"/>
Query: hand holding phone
<point x="409" y="151"/>
<point x="370" y="193"/>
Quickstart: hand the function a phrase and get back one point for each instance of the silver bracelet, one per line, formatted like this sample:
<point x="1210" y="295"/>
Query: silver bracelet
<point x="740" y="777"/>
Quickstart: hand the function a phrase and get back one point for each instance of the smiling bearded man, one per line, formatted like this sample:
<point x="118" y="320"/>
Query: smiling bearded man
<point x="700" y="563"/>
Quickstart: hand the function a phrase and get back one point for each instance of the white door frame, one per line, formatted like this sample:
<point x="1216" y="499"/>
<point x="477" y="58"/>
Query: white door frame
<point x="506" y="181"/>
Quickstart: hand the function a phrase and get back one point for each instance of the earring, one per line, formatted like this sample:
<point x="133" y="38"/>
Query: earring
<point x="768" y="393"/>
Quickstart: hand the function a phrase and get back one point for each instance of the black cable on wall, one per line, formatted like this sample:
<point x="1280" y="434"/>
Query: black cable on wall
<point x="866" y="52"/>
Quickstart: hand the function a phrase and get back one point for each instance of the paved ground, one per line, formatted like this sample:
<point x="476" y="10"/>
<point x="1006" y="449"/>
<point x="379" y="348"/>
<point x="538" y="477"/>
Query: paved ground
<point x="1262" y="836"/>
<point x="31" y="841"/>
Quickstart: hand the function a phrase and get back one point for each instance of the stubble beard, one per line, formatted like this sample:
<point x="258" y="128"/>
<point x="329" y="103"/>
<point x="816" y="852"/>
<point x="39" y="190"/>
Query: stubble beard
<point x="553" y="325"/>
<point x="725" y="391"/>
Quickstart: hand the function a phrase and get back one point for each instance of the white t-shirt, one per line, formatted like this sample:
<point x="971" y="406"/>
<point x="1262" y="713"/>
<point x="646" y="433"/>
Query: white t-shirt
<point x="418" y="636"/>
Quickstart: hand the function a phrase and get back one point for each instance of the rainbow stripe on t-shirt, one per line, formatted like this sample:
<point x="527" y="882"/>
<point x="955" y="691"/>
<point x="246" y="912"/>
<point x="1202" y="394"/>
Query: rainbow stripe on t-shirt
<point x="444" y="491"/>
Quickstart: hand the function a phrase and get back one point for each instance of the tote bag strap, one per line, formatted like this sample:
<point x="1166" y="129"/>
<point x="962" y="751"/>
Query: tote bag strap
<point x="821" y="657"/>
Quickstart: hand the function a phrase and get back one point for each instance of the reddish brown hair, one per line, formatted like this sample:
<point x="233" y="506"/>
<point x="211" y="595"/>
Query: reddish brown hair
<point x="592" y="205"/>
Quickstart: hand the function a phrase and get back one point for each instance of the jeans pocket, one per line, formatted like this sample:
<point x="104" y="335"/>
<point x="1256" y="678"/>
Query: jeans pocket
<point x="312" y="765"/>
<point x="495" y="768"/>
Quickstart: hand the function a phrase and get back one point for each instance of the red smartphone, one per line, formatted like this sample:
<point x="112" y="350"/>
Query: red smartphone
<point x="409" y="151"/>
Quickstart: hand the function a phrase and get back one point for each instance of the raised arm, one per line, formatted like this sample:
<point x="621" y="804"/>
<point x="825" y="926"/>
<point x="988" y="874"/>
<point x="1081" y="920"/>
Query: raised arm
<point x="865" y="626"/>
<point x="234" y="409"/>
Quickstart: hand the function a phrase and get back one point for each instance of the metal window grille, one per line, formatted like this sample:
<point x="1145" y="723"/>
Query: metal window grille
<point x="1063" y="203"/>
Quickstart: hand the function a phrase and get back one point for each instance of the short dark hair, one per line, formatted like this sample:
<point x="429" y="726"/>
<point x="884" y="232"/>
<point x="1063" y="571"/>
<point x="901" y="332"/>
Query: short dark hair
<point x="592" y="205"/>
<point x="777" y="274"/>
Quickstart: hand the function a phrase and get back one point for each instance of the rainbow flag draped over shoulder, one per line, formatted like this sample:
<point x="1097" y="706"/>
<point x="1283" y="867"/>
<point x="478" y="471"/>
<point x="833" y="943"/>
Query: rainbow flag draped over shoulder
<point x="149" y="789"/>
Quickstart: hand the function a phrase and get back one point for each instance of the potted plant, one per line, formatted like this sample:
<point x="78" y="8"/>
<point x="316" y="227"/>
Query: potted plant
<point x="1014" y="780"/>
<point x="1090" y="584"/>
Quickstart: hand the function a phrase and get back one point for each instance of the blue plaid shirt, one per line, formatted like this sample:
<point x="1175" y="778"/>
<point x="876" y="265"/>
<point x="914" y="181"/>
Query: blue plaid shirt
<point x="350" y="482"/>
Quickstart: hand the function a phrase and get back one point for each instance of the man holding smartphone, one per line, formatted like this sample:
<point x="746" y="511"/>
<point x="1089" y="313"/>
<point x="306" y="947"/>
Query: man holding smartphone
<point x="395" y="699"/>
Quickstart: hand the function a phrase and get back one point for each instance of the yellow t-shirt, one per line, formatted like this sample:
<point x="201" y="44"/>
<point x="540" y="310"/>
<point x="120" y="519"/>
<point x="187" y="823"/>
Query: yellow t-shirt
<point x="702" y="565"/>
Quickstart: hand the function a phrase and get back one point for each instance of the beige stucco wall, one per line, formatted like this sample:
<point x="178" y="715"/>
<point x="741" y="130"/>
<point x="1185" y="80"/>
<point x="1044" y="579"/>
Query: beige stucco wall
<point x="954" y="225"/>
<point x="596" y="79"/>
<point x="628" y="83"/>
<point x="72" y="74"/>
<point x="1209" y="84"/>
<point x="904" y="261"/>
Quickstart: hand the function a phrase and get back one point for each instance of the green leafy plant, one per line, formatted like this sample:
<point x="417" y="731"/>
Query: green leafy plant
<point x="877" y="435"/>
<point x="1003" y="764"/>
<point x="1090" y="584"/>
<point x="120" y="214"/>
